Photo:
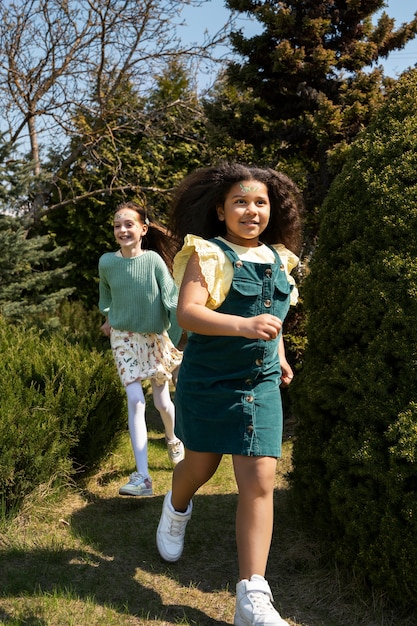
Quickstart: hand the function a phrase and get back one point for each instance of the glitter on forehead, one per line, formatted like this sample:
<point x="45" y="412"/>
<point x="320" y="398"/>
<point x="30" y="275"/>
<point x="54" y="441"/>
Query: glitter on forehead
<point x="245" y="188"/>
<point x="135" y="219"/>
<point x="120" y="216"/>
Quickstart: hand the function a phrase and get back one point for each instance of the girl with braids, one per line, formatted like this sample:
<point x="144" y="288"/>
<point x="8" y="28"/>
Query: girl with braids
<point x="240" y="228"/>
<point x="139" y="298"/>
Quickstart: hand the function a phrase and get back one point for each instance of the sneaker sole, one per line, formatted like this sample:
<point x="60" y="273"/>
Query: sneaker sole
<point x="145" y="492"/>
<point x="238" y="620"/>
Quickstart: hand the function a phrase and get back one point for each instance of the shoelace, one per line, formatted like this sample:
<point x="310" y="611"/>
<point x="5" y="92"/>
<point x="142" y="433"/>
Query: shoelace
<point x="137" y="479"/>
<point x="176" y="528"/>
<point x="261" y="602"/>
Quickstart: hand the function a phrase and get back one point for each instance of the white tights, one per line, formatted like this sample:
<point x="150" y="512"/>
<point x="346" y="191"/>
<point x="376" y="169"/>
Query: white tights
<point x="137" y="423"/>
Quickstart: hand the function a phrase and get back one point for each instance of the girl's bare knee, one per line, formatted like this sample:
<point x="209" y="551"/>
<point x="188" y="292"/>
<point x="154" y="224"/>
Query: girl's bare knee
<point x="202" y="465"/>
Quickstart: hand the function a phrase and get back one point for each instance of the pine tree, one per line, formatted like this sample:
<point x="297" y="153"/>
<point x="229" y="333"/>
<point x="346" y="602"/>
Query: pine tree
<point x="310" y="79"/>
<point x="29" y="266"/>
<point x="26" y="282"/>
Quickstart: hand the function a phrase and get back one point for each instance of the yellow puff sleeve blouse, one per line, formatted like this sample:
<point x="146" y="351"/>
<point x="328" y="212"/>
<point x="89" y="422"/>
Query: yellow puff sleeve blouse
<point x="218" y="270"/>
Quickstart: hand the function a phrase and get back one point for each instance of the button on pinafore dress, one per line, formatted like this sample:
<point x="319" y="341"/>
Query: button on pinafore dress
<point x="227" y="397"/>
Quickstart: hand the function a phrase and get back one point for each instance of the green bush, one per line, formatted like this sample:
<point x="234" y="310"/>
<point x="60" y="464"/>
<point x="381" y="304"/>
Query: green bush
<point x="81" y="325"/>
<point x="62" y="406"/>
<point x="355" y="454"/>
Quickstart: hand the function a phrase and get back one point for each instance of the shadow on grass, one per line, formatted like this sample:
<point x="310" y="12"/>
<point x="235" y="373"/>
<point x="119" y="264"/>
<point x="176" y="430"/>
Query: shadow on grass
<point x="30" y="620"/>
<point x="121" y="567"/>
<point x="120" y="550"/>
<point x="118" y="565"/>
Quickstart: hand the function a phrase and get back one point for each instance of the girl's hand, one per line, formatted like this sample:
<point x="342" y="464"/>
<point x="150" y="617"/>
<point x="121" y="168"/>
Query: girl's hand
<point x="263" y="326"/>
<point x="195" y="316"/>
<point x="286" y="373"/>
<point x="106" y="328"/>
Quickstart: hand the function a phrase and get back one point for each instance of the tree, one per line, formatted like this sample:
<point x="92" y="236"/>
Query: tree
<point x="28" y="291"/>
<point x="28" y="266"/>
<point x="15" y="177"/>
<point x="57" y="56"/>
<point x="309" y="81"/>
<point x="355" y="451"/>
<point x="227" y="108"/>
<point x="178" y="142"/>
<point x="127" y="163"/>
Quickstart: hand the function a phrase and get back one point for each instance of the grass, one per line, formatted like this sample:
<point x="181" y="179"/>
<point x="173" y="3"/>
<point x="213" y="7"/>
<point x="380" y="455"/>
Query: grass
<point x="86" y="556"/>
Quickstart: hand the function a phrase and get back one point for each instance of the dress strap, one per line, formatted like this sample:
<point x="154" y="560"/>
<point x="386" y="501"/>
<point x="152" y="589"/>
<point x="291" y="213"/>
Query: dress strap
<point x="229" y="252"/>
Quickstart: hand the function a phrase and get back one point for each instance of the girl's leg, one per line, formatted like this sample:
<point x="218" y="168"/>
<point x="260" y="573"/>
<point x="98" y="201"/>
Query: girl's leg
<point x="189" y="475"/>
<point x="165" y="406"/>
<point x="255" y="477"/>
<point x="137" y="426"/>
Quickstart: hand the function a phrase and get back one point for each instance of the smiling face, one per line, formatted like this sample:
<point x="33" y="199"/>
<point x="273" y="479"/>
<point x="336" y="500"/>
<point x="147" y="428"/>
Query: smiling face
<point x="245" y="212"/>
<point x="128" y="230"/>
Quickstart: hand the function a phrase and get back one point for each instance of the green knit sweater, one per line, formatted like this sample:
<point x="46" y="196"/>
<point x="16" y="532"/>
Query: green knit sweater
<point x="138" y="294"/>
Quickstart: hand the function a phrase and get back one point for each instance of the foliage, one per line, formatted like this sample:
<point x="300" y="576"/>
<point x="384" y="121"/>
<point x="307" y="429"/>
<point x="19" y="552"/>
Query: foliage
<point x="144" y="160"/>
<point x="355" y="461"/>
<point x="29" y="265"/>
<point x="16" y="179"/>
<point x="228" y="109"/>
<point x="82" y="326"/>
<point x="57" y="56"/>
<point x="26" y="274"/>
<point x="307" y="83"/>
<point x="178" y="143"/>
<point x="61" y="409"/>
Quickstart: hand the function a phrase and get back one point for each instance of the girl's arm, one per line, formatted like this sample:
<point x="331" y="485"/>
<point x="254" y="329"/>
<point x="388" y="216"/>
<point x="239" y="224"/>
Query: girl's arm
<point x="106" y="328"/>
<point x="286" y="370"/>
<point x="104" y="299"/>
<point x="193" y="315"/>
<point x="169" y="296"/>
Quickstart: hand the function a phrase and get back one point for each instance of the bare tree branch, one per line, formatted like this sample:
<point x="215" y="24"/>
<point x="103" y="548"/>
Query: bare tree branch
<point x="58" y="55"/>
<point x="101" y="192"/>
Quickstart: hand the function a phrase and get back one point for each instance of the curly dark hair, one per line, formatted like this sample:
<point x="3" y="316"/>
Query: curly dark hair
<point x="195" y="202"/>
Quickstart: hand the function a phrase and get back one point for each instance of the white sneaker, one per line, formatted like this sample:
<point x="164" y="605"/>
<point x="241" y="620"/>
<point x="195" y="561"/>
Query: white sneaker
<point x="175" y="450"/>
<point x="137" y="486"/>
<point x="254" y="604"/>
<point x="171" y="530"/>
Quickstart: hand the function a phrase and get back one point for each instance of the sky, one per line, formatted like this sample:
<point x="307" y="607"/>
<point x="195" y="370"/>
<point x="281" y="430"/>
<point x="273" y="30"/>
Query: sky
<point x="212" y="14"/>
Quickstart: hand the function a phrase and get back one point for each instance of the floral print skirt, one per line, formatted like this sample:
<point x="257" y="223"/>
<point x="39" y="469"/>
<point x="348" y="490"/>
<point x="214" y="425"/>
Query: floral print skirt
<point x="140" y="356"/>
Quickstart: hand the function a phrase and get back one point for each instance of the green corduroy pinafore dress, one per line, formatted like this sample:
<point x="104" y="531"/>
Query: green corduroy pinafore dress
<point x="228" y="398"/>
